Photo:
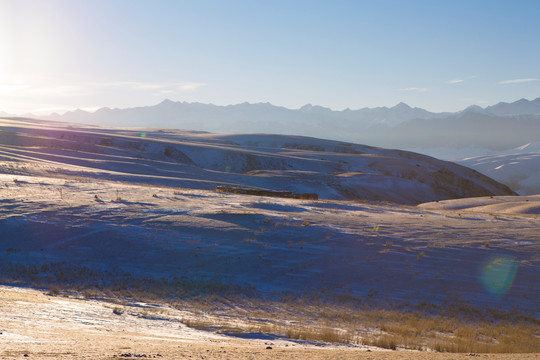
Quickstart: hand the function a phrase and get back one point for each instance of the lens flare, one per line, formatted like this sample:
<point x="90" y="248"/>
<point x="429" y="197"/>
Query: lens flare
<point x="498" y="274"/>
<point x="143" y="135"/>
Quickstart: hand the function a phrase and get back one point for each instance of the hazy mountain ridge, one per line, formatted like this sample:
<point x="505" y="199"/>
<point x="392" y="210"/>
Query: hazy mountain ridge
<point x="520" y="107"/>
<point x="245" y="117"/>
<point x="497" y="127"/>
<point x="465" y="129"/>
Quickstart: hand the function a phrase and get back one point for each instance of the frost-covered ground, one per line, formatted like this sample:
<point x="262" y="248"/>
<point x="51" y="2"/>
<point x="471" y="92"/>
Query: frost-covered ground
<point x="380" y="253"/>
<point x="57" y="234"/>
<point x="42" y="326"/>
<point x="37" y="326"/>
<point x="76" y="215"/>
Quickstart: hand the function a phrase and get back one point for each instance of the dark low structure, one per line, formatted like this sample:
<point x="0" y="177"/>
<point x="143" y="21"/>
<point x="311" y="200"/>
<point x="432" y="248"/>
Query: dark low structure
<point x="262" y="192"/>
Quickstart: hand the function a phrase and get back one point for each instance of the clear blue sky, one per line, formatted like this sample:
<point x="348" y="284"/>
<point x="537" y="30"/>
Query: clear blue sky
<point x="57" y="55"/>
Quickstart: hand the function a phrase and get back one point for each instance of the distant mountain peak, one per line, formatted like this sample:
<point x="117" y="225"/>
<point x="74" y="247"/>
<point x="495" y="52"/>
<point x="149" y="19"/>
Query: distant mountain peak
<point x="80" y="111"/>
<point x="519" y="107"/>
<point x="474" y="109"/>
<point x="167" y="102"/>
<point x="102" y="110"/>
<point x="401" y="106"/>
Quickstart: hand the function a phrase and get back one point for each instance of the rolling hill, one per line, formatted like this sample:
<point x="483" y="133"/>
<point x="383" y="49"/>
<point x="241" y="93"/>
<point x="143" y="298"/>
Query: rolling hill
<point x="133" y="217"/>
<point x="330" y="169"/>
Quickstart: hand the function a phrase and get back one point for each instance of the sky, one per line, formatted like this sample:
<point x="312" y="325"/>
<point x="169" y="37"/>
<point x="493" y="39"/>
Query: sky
<point x="59" y="55"/>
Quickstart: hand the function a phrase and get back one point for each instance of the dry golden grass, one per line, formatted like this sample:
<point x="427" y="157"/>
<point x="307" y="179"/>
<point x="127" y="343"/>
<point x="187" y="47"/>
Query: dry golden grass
<point x="127" y="335"/>
<point x="389" y="329"/>
<point x="309" y="333"/>
<point x="456" y="328"/>
<point x="200" y="324"/>
<point x="385" y="342"/>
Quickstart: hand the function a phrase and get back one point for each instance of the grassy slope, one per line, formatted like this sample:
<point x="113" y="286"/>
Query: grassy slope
<point x="124" y="238"/>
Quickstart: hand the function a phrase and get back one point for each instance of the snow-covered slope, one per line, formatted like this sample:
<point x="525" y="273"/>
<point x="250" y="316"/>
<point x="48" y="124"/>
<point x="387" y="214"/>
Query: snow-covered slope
<point x="522" y="205"/>
<point x="85" y="233"/>
<point x="86" y="207"/>
<point x="518" y="168"/>
<point x="331" y="169"/>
